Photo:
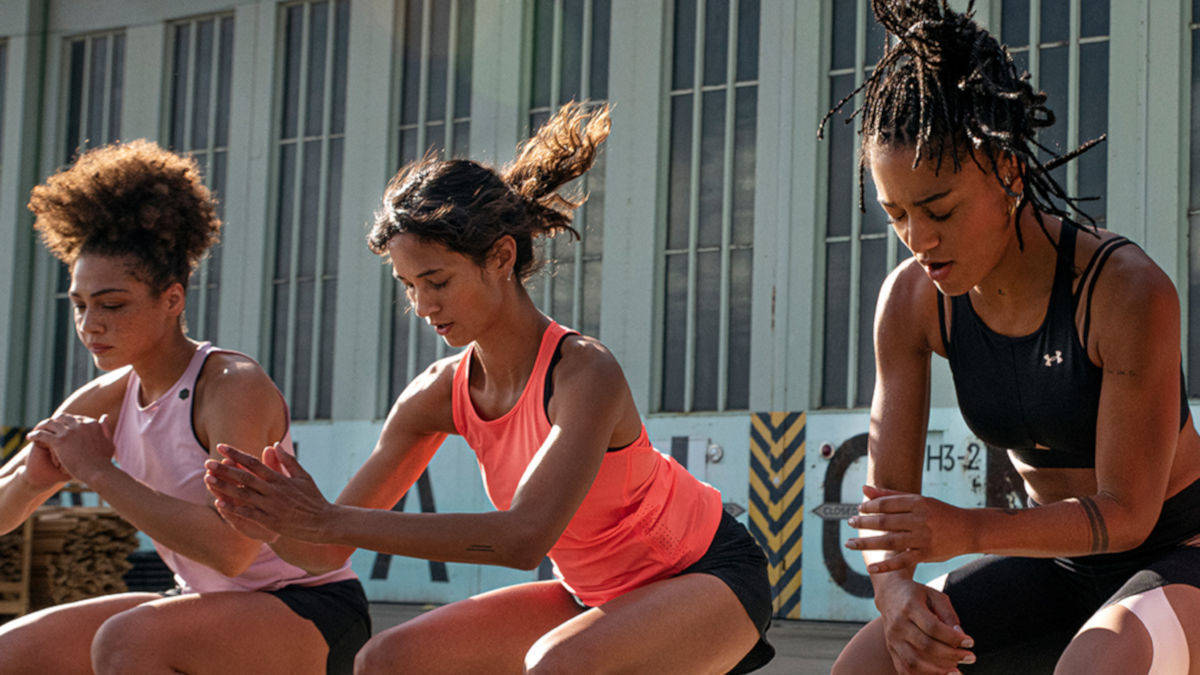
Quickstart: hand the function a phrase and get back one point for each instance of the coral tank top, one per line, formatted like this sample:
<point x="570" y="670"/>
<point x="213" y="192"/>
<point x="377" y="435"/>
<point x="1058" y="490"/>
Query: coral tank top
<point x="645" y="517"/>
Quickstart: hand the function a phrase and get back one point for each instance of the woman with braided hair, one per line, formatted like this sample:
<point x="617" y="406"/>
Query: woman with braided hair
<point x="132" y="221"/>
<point x="1064" y="344"/>
<point x="653" y="576"/>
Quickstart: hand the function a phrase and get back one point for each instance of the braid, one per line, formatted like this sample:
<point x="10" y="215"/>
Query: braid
<point x="947" y="86"/>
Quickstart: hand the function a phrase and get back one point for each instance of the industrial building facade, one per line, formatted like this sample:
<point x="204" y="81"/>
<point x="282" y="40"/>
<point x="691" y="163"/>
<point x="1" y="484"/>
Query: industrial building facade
<point x="723" y="258"/>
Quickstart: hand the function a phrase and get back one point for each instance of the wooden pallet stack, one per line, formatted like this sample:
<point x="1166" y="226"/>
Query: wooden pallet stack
<point x="16" y="550"/>
<point x="78" y="553"/>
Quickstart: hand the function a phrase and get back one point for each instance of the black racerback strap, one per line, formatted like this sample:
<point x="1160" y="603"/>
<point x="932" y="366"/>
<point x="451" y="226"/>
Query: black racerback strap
<point x="1103" y="252"/>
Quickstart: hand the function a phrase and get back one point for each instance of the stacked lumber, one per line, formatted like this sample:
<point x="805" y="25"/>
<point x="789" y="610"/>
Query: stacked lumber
<point x="78" y="553"/>
<point x="10" y="556"/>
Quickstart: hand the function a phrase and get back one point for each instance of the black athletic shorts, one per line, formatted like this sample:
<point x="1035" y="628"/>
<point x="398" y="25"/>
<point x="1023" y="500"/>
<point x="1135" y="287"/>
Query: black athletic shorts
<point x="735" y="558"/>
<point x="1022" y="612"/>
<point x="338" y="610"/>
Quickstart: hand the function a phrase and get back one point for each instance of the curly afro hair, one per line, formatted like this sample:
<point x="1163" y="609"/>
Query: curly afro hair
<point x="130" y="199"/>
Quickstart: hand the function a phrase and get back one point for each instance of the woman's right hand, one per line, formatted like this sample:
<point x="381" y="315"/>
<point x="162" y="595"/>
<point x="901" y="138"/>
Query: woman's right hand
<point x="42" y="470"/>
<point x="921" y="629"/>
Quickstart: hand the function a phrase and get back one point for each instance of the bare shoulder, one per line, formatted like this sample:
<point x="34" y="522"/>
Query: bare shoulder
<point x="101" y="396"/>
<point x="235" y="379"/>
<point x="1133" y="299"/>
<point x="906" y="312"/>
<point x="587" y="361"/>
<point x="425" y="404"/>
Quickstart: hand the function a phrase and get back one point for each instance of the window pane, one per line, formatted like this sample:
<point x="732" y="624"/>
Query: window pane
<point x="224" y="82"/>
<point x="1056" y="21"/>
<point x="179" y="84"/>
<point x="1053" y="80"/>
<point x="740" y="279"/>
<point x="601" y="10"/>
<point x="413" y="52"/>
<point x="1014" y="23"/>
<point x="341" y="49"/>
<point x="844" y="16"/>
<point x="439" y="52"/>
<point x="842" y="165"/>
<point x="117" y="88"/>
<point x="708" y="326"/>
<point x="837" y="309"/>
<point x="74" y="99"/>
<point x="674" y="333"/>
<point x="96" y="99"/>
<point x="543" y="53"/>
<point x="716" y="41"/>
<point x="203" y="85"/>
<point x="712" y="167"/>
<point x="294" y="29"/>
<point x="680" y="172"/>
<point x="1093" y="122"/>
<point x="684" y="57"/>
<point x="1095" y="18"/>
<point x="462" y="76"/>
<point x="572" y="51"/>
<point x="314" y="91"/>
<point x="744" y="146"/>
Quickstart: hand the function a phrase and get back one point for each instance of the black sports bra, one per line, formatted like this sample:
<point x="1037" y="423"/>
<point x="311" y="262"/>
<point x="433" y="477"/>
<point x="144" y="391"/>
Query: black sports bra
<point x="1037" y="389"/>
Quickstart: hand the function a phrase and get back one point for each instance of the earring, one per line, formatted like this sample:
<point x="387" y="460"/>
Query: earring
<point x="510" y="274"/>
<point x="1012" y="207"/>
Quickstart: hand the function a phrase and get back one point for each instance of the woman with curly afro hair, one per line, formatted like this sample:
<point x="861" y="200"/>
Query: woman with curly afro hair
<point x="652" y="575"/>
<point x="1064" y="344"/>
<point x="132" y="221"/>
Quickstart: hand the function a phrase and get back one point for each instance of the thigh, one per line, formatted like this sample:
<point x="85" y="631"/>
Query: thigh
<point x="58" y="639"/>
<point x="1122" y="629"/>
<point x="487" y="633"/>
<point x="1021" y="612"/>
<point x="691" y="623"/>
<point x="216" y="633"/>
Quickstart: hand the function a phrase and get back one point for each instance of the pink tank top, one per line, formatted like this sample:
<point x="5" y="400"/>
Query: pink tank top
<point x="645" y="517"/>
<point x="157" y="445"/>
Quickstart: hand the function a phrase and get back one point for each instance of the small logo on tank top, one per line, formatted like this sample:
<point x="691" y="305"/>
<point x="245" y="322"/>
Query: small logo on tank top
<point x="1051" y="360"/>
<point x="183" y="393"/>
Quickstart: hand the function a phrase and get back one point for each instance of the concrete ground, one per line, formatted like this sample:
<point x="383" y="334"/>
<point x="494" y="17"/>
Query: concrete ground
<point x="802" y="647"/>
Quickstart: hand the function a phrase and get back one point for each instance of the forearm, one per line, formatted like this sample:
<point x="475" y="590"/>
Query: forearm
<point x="193" y="530"/>
<point x="1072" y="527"/>
<point x="311" y="557"/>
<point x="493" y="538"/>
<point x="18" y="499"/>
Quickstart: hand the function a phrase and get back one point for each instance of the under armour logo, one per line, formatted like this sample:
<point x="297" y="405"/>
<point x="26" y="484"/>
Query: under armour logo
<point x="1051" y="360"/>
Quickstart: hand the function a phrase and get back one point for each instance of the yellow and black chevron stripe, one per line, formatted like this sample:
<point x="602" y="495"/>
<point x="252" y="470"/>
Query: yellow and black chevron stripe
<point x="11" y="440"/>
<point x="777" y="502"/>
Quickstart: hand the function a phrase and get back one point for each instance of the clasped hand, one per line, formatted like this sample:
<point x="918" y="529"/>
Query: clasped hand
<point x="276" y="493"/>
<point x="914" y="528"/>
<point x="78" y="445"/>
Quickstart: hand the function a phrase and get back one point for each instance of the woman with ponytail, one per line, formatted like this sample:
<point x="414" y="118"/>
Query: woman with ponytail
<point x="653" y="576"/>
<point x="1064" y="344"/>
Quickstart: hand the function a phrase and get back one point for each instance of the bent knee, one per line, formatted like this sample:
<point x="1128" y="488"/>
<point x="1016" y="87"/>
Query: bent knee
<point x="549" y="657"/>
<point x="123" y="643"/>
<point x="383" y="652"/>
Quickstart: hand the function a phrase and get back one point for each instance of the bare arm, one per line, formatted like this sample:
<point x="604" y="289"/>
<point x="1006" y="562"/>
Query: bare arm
<point x="1136" y="336"/>
<point x="1136" y="327"/>
<point x="33" y="475"/>
<point x="415" y="428"/>
<point x="233" y="398"/>
<point x="548" y="495"/>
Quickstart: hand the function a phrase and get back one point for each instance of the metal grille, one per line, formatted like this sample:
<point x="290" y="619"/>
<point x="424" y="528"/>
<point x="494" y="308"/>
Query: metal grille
<point x="312" y="117"/>
<point x="201" y="64"/>
<point x="570" y="63"/>
<point x="94" y="71"/>
<point x="435" y="117"/>
<point x="860" y="249"/>
<point x="1064" y="46"/>
<point x="706" y="261"/>
<point x="1193" y="214"/>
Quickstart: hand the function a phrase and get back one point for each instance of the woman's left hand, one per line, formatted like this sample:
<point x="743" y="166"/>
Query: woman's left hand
<point x="81" y="445"/>
<point x="283" y="499"/>
<point x="916" y="528"/>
